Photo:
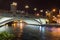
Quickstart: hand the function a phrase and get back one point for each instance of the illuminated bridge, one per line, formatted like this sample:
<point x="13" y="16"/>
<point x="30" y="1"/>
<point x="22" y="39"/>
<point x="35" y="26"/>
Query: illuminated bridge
<point x="17" y="15"/>
<point x="32" y="31"/>
<point x="4" y="20"/>
<point x="32" y="28"/>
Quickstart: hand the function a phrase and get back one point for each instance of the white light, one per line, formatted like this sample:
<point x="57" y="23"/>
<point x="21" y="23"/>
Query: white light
<point x="40" y="28"/>
<point x="26" y="6"/>
<point x="46" y="12"/>
<point x="43" y="29"/>
<point x="41" y="10"/>
<point x="35" y="9"/>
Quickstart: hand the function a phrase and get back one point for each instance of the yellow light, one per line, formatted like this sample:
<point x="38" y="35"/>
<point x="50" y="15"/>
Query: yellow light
<point x="14" y="3"/>
<point x="21" y="20"/>
<point x="58" y="15"/>
<point x="21" y="24"/>
<point x="7" y="25"/>
<point x="14" y="25"/>
<point x="26" y="6"/>
<point x="47" y="20"/>
<point x="46" y="12"/>
<point x="15" y="20"/>
<point x="54" y="19"/>
<point x="58" y="21"/>
<point x="54" y="10"/>
<point x="54" y="16"/>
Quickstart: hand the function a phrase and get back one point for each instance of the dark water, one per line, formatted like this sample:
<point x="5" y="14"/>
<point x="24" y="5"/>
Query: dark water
<point x="31" y="32"/>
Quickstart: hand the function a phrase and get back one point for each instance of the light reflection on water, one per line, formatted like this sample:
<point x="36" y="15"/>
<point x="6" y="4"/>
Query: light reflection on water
<point x="52" y="33"/>
<point x="47" y="33"/>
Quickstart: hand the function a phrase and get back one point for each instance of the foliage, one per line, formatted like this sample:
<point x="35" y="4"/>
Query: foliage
<point x="6" y="36"/>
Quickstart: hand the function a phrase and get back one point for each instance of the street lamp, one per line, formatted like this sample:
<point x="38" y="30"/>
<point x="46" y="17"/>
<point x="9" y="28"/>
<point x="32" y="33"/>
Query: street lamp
<point x="13" y="6"/>
<point x="14" y="3"/>
<point x="41" y="10"/>
<point x="35" y="9"/>
<point x="54" y="10"/>
<point x="48" y="13"/>
<point x="26" y="7"/>
<point x="37" y="14"/>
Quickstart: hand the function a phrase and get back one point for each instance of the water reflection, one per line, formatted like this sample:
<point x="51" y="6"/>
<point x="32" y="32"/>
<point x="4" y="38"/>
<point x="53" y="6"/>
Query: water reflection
<point x="52" y="33"/>
<point x="33" y="32"/>
<point x="18" y="27"/>
<point x="56" y="32"/>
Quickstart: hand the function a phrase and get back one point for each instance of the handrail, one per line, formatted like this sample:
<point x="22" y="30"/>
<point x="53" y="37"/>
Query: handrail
<point x="6" y="22"/>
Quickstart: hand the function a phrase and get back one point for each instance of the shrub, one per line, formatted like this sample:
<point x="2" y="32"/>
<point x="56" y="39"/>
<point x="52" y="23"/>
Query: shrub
<point x="6" y="36"/>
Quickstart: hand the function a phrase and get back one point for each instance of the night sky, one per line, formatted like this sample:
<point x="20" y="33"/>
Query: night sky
<point x="40" y="4"/>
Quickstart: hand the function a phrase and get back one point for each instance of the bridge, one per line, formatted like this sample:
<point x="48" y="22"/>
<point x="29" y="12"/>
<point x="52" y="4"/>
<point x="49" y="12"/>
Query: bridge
<point x="4" y="20"/>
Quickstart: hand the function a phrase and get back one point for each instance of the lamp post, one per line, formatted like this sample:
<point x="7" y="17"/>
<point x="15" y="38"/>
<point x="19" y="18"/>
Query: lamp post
<point x="42" y="13"/>
<point x="53" y="10"/>
<point x="14" y="8"/>
<point x="26" y="7"/>
<point x="35" y="9"/>
<point x="41" y="10"/>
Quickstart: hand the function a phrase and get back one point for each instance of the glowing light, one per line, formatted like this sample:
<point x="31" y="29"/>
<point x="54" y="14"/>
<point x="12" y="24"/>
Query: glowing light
<point x="40" y="28"/>
<point x="47" y="20"/>
<point x="41" y="10"/>
<point x="35" y="9"/>
<point x="14" y="3"/>
<point x="54" y="18"/>
<point x="14" y="25"/>
<point x="15" y="20"/>
<point x="56" y="32"/>
<point x="54" y="10"/>
<point x="46" y="12"/>
<point x="43" y="29"/>
<point x="21" y="24"/>
<point x="21" y="20"/>
<point x="58" y="15"/>
<point x="6" y="25"/>
<point x="37" y="14"/>
<point x="26" y="6"/>
<point x="58" y="21"/>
